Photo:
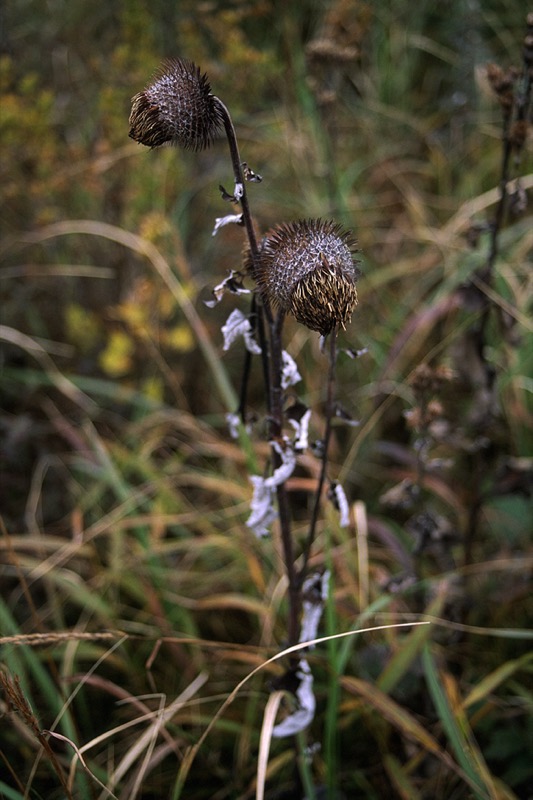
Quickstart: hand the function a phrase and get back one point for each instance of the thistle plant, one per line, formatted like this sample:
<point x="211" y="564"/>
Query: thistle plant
<point x="307" y="269"/>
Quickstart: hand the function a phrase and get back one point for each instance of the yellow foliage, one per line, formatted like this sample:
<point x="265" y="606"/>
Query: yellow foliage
<point x="83" y="328"/>
<point x="153" y="388"/>
<point x="116" y="359"/>
<point x="179" y="338"/>
<point x="154" y="225"/>
<point x="135" y="316"/>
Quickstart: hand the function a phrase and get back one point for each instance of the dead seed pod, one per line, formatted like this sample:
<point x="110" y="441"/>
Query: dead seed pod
<point x="176" y="107"/>
<point x="308" y="269"/>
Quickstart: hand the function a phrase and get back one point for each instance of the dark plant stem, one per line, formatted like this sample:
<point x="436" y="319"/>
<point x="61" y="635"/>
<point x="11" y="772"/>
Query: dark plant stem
<point x="482" y="280"/>
<point x="259" y="306"/>
<point x="239" y="178"/>
<point x="272" y="370"/>
<point x="330" y="410"/>
<point x="258" y="325"/>
<point x="276" y="428"/>
<point x="517" y="114"/>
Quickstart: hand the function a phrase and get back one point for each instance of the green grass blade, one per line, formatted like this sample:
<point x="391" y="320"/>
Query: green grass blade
<point x="409" y="651"/>
<point x="6" y="793"/>
<point x="458" y="732"/>
<point x="400" y="779"/>
<point x="495" y="678"/>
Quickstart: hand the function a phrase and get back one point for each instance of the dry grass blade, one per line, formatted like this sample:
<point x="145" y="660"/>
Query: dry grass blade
<point x="462" y="219"/>
<point x="68" y="270"/>
<point x="66" y="387"/>
<point x="361" y="527"/>
<point x="147" y="740"/>
<point x="160" y="264"/>
<point x="494" y="679"/>
<point x="398" y="773"/>
<point x="78" y="753"/>
<point x="398" y="716"/>
<point x="191" y="754"/>
<point x="17" y="701"/>
<point x="269" y="720"/>
<point x="37" y="639"/>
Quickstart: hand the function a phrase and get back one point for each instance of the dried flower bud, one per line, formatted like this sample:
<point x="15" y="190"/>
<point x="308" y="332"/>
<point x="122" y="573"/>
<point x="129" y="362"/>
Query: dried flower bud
<point x="518" y="200"/>
<point x="307" y="268"/>
<point x="502" y="84"/>
<point x="177" y="106"/>
<point x="528" y="49"/>
<point x="426" y="380"/>
<point x="528" y="41"/>
<point x="518" y="134"/>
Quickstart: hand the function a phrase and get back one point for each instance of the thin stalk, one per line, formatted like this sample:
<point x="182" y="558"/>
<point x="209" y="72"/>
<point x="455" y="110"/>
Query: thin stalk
<point x="239" y="180"/>
<point x="258" y="324"/>
<point x="276" y="426"/>
<point x="520" y="112"/>
<point x="272" y="370"/>
<point x="330" y="402"/>
<point x="258" y="306"/>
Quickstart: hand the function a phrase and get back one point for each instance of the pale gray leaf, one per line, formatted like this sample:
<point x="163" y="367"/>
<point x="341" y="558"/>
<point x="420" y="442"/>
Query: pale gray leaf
<point x="262" y="508"/>
<point x="289" y="374"/>
<point x="338" y="497"/>
<point x="238" y="325"/>
<point x="301" y="427"/>
<point x="302" y="717"/>
<point x="227" y="220"/>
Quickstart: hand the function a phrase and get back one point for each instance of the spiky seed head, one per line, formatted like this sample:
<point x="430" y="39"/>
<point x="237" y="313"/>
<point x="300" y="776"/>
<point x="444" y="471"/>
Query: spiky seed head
<point x="308" y="269"/>
<point x="177" y="107"/>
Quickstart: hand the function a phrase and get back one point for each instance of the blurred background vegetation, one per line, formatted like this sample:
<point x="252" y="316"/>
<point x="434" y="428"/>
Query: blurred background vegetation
<point x="123" y="499"/>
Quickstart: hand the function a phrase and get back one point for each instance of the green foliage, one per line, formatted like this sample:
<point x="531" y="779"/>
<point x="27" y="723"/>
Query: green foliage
<point x="134" y="599"/>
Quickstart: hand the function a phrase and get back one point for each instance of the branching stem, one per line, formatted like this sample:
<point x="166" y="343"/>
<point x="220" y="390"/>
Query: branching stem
<point x="276" y="429"/>
<point x="239" y="179"/>
<point x="259" y="306"/>
<point x="519" y="113"/>
<point x="330" y="410"/>
<point x="272" y="370"/>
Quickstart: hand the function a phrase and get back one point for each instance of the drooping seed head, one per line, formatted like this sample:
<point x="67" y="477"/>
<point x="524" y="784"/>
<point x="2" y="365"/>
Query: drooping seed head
<point x="177" y="107"/>
<point x="308" y="269"/>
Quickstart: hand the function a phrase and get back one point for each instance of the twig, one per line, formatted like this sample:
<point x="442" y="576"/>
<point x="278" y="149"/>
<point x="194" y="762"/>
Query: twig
<point x="330" y="399"/>
<point x="259" y="306"/>
<point x="272" y="371"/>
<point x="276" y="427"/>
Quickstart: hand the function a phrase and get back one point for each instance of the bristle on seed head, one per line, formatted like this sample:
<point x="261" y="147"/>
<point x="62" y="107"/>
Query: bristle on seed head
<point x="308" y="269"/>
<point x="176" y="107"/>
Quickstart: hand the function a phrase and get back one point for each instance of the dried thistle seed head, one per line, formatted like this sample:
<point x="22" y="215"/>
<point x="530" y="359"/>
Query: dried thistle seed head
<point x="177" y="107"/>
<point x="308" y="269"/>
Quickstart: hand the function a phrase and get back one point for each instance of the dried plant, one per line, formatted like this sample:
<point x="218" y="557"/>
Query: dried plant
<point x="127" y="505"/>
<point x="176" y="107"/>
<point x="513" y="88"/>
<point x="17" y="703"/>
<point x="305" y="268"/>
